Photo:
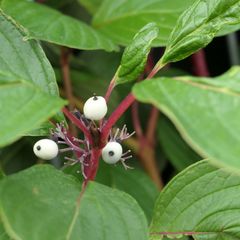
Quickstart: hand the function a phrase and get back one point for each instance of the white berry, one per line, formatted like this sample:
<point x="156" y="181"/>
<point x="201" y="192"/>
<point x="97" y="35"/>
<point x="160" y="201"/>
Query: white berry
<point x="45" y="149"/>
<point x="95" y="108"/>
<point x="112" y="152"/>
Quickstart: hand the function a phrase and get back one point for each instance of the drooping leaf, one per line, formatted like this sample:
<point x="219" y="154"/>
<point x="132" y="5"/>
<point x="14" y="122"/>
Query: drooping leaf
<point x="91" y="5"/>
<point x="203" y="201"/>
<point x="204" y="110"/>
<point x="135" y="55"/>
<point x="52" y="26"/>
<point x="50" y="207"/>
<point x="28" y="89"/>
<point x="120" y="20"/>
<point x="135" y="182"/>
<point x="176" y="149"/>
<point x="198" y="25"/>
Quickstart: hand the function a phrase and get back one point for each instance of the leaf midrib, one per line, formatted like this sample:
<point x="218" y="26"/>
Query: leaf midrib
<point x="208" y="87"/>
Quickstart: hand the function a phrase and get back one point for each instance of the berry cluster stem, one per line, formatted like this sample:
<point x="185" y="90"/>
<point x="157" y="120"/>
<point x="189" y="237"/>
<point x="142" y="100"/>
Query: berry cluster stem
<point x="78" y="123"/>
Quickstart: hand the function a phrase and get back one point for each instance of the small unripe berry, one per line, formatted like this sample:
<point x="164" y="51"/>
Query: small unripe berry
<point x="95" y="108"/>
<point x="112" y="152"/>
<point x="45" y="149"/>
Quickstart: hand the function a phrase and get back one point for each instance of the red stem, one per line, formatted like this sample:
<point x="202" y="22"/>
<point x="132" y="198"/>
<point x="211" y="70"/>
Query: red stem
<point x="122" y="107"/>
<point x="200" y="64"/>
<point x="91" y="171"/>
<point x="136" y="122"/>
<point x="110" y="88"/>
<point x="78" y="123"/>
<point x="151" y="126"/>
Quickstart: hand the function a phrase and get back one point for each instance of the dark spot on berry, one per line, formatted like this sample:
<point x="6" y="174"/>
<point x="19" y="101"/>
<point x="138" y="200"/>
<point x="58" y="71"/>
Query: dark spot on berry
<point x="111" y="153"/>
<point x="38" y="148"/>
<point x="95" y="98"/>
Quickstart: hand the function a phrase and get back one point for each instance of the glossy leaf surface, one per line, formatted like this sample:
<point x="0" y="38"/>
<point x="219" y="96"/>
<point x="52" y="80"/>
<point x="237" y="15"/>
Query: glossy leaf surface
<point x="198" y="25"/>
<point x="27" y="83"/>
<point x="48" y="199"/>
<point x="120" y="19"/>
<point x="135" y="55"/>
<point x="52" y="26"/>
<point x="187" y="206"/>
<point x="205" y="111"/>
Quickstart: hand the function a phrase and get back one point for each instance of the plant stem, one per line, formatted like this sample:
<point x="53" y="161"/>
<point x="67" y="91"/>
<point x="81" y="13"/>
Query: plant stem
<point x="64" y="62"/>
<point x="91" y="171"/>
<point x="199" y="63"/>
<point x="110" y="88"/>
<point x="147" y="149"/>
<point x="122" y="107"/>
<point x="78" y="123"/>
<point x="136" y="121"/>
<point x="151" y="126"/>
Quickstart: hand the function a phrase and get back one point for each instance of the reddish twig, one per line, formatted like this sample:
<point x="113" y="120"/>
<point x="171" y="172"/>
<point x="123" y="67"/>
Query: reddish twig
<point x="122" y="107"/>
<point x="110" y="88"/>
<point x="151" y="126"/>
<point x="199" y="63"/>
<point x="78" y="123"/>
<point x="91" y="170"/>
<point x="136" y="122"/>
<point x="64" y="61"/>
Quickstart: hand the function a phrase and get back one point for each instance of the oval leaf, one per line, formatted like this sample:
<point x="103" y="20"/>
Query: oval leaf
<point x="49" y="206"/>
<point x="202" y="201"/>
<point x="135" y="55"/>
<point x="205" y="111"/>
<point x="120" y="20"/>
<point x="175" y="148"/>
<point x="135" y="182"/>
<point x="198" y="25"/>
<point x="27" y="83"/>
<point x="50" y="25"/>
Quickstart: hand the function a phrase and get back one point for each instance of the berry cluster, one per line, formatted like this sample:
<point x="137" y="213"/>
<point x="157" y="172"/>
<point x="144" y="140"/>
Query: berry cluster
<point x="95" y="109"/>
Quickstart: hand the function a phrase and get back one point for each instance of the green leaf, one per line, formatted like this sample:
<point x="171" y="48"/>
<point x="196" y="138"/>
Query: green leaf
<point x="27" y="83"/>
<point x="204" y="110"/>
<point x="91" y="5"/>
<point x="198" y="25"/>
<point x="202" y="199"/>
<point x="135" y="55"/>
<point x="42" y="130"/>
<point x="228" y="29"/>
<point x="175" y="148"/>
<point x="3" y="234"/>
<point x="134" y="182"/>
<point x="49" y="207"/>
<point x="120" y="20"/>
<point x="52" y="26"/>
